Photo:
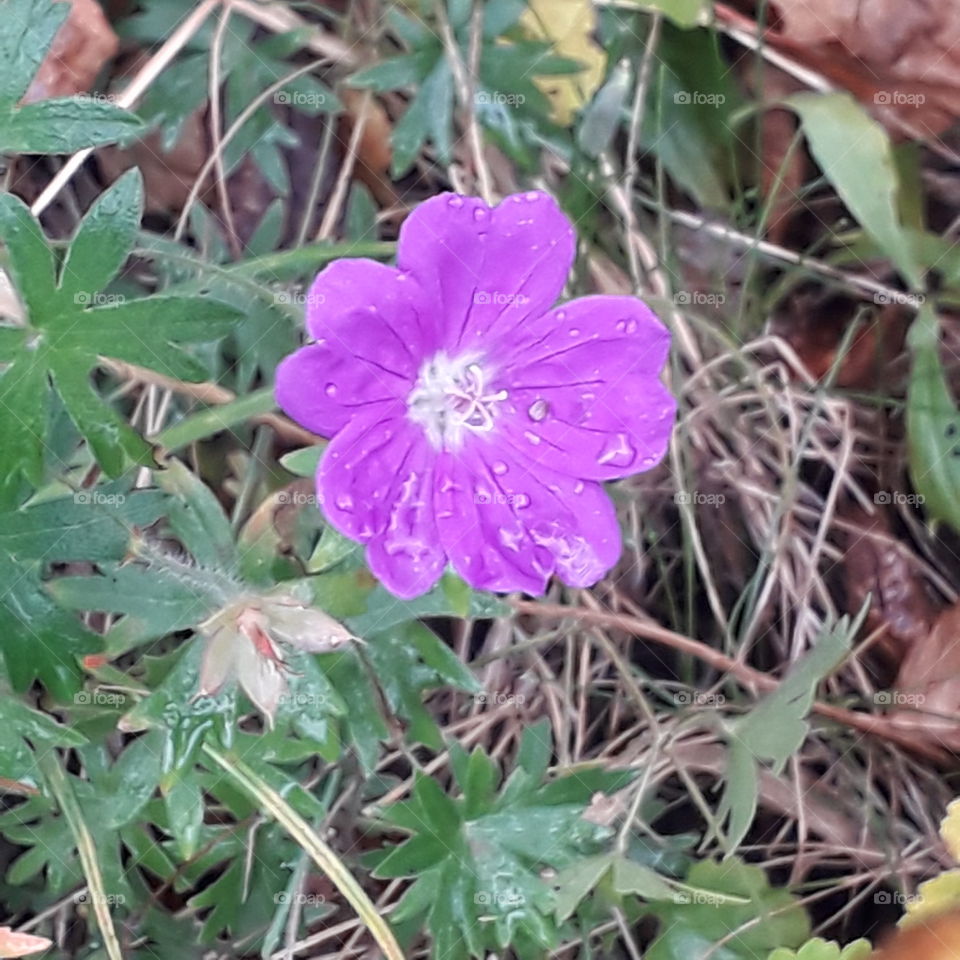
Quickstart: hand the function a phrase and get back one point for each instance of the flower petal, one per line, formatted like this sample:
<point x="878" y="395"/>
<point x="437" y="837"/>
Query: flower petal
<point x="373" y="312"/>
<point x="487" y="270"/>
<point x="322" y="386"/>
<point x="584" y="392"/>
<point x="375" y="481"/>
<point x="506" y="527"/>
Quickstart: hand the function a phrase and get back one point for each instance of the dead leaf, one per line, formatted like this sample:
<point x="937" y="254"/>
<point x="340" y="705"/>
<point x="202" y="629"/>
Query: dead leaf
<point x="83" y="44"/>
<point x="569" y="26"/>
<point x="878" y="566"/>
<point x="900" y="58"/>
<point x="936" y="938"/>
<point x="21" y="944"/>
<point x="927" y="690"/>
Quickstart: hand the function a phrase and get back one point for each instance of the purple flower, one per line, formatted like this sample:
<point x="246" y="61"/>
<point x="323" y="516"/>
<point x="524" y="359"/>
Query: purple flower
<point x="472" y="424"/>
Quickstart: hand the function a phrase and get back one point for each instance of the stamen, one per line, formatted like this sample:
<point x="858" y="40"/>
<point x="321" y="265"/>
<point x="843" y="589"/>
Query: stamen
<point x="451" y="396"/>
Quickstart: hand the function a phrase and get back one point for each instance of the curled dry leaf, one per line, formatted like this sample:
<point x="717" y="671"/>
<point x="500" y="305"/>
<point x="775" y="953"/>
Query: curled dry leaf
<point x="14" y="944"/>
<point x="928" y="684"/>
<point x="901" y="58"/>
<point x="82" y="46"/>
<point x="878" y="566"/>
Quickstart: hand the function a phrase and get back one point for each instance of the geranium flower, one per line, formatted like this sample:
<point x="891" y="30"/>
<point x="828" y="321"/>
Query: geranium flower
<point x="470" y="423"/>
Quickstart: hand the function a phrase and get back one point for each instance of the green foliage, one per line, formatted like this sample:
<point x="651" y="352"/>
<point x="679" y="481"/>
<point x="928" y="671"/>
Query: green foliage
<point x="819" y="949"/>
<point x="71" y="323"/>
<point x="478" y="858"/>
<point x="58" y="125"/>
<point x="933" y="424"/>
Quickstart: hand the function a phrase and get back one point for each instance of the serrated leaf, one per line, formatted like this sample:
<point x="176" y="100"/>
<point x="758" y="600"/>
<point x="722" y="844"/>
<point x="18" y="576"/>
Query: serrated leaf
<point x="69" y="327"/>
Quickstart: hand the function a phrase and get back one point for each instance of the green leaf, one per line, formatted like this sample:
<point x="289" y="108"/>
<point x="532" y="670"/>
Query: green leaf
<point x="60" y="125"/>
<point x="408" y="70"/>
<point x="183" y="800"/>
<point x="684" y="13"/>
<point x="819" y="949"/>
<point x="855" y="154"/>
<point x="572" y="884"/>
<point x="105" y="237"/>
<point x="66" y="336"/>
<point x="479" y="861"/>
<point x="697" y="923"/>
<point x="22" y="731"/>
<point x="933" y="424"/>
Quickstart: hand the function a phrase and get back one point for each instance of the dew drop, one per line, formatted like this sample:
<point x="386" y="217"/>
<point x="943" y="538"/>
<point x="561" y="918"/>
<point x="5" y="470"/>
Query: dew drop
<point x="574" y="331"/>
<point x="578" y="487"/>
<point x="330" y="389"/>
<point x="627" y="326"/>
<point x="500" y="468"/>
<point x="479" y="213"/>
<point x="532" y="195"/>
<point x="538" y="410"/>
<point x="455" y="201"/>
<point x="617" y="451"/>
<point x="532" y="437"/>
<point x="345" y="502"/>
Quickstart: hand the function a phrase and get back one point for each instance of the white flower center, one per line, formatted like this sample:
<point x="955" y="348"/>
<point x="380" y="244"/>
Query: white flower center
<point x="451" y="397"/>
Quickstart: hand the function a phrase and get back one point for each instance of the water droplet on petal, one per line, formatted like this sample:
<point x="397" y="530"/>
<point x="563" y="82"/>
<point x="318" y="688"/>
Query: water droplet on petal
<point x="330" y="389"/>
<point x="627" y="326"/>
<point x="617" y="451"/>
<point x="479" y="213"/>
<point x="455" y="201"/>
<point x="500" y="468"/>
<point x="574" y="331"/>
<point x="345" y="502"/>
<point x="533" y="195"/>
<point x="578" y="487"/>
<point x="532" y="437"/>
<point x="538" y="410"/>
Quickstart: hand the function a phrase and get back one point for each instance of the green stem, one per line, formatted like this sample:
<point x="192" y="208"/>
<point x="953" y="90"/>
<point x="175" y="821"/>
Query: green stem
<point x="322" y="855"/>
<point x="56" y="779"/>
<point x="214" y="419"/>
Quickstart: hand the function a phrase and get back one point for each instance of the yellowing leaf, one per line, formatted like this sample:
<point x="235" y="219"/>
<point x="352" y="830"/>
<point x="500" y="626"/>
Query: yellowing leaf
<point x="20" y="944"/>
<point x="933" y="898"/>
<point x="569" y="26"/>
<point x="950" y="829"/>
